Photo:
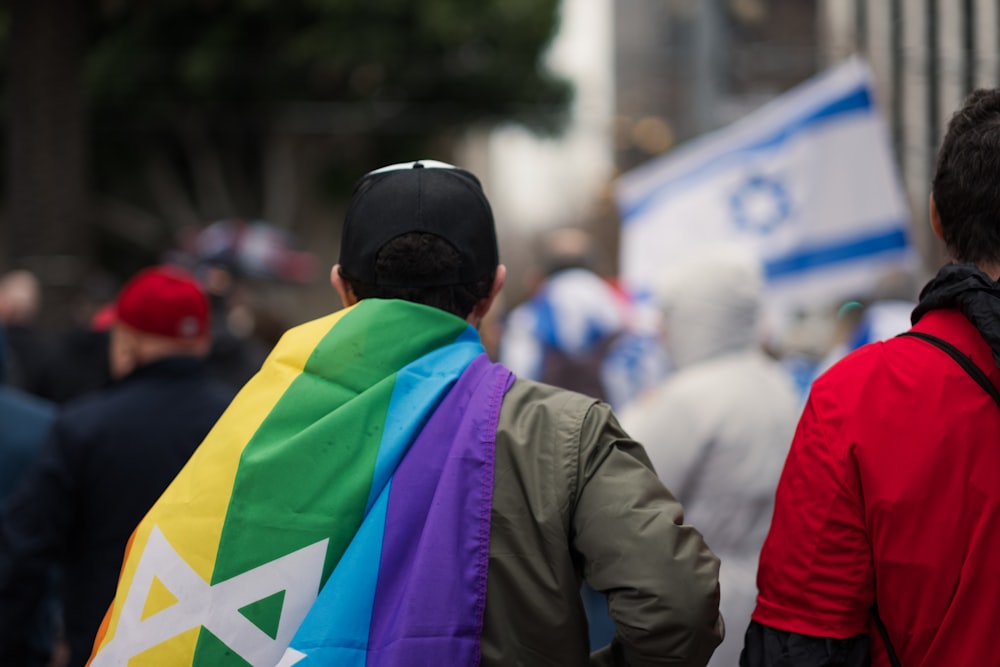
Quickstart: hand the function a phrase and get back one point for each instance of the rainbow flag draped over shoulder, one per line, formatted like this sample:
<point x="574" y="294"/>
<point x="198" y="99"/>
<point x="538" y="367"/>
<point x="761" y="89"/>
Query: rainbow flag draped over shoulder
<point x="359" y="462"/>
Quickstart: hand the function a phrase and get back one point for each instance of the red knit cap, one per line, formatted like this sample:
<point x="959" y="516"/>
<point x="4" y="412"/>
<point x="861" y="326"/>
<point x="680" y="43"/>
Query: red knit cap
<point x="166" y="301"/>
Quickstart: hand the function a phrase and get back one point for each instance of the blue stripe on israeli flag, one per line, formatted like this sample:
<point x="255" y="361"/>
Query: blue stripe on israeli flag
<point x="844" y="251"/>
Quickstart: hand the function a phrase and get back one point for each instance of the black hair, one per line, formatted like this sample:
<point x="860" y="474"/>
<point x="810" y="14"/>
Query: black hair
<point x="404" y="267"/>
<point x="967" y="180"/>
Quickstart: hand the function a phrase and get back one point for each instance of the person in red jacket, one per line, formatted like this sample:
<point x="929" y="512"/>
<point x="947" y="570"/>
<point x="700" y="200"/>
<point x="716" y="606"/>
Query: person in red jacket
<point x="885" y="540"/>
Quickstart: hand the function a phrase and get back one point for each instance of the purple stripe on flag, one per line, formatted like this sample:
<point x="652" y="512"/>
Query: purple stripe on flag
<point x="431" y="590"/>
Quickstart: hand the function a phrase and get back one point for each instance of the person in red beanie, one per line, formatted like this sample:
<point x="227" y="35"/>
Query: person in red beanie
<point x="107" y="458"/>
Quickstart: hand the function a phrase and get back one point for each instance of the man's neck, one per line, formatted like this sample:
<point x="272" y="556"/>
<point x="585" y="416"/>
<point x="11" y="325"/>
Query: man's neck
<point x="991" y="269"/>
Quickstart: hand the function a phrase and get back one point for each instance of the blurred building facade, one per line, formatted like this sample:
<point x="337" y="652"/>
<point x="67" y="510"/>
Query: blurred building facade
<point x="686" y="67"/>
<point x="927" y="56"/>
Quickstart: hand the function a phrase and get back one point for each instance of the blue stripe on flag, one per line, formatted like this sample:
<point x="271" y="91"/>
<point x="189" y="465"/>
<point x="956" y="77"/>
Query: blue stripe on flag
<point x="854" y="101"/>
<point x="844" y="251"/>
<point x="418" y="388"/>
<point x="335" y="632"/>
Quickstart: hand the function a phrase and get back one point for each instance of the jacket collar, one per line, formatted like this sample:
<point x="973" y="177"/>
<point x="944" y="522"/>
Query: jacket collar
<point x="965" y="288"/>
<point x="183" y="366"/>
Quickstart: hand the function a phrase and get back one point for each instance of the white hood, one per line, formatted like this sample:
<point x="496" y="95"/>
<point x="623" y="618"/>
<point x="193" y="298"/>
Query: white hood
<point x="711" y="305"/>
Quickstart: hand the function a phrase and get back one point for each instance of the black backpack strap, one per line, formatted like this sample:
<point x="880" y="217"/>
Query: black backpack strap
<point x="979" y="376"/>
<point x="963" y="360"/>
<point x="893" y="658"/>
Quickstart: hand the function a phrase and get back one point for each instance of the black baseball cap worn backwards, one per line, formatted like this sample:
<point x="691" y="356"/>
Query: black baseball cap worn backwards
<point x="423" y="196"/>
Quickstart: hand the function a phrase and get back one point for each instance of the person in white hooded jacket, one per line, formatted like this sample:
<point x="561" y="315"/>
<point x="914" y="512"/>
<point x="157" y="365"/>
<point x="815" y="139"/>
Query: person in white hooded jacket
<point x="718" y="428"/>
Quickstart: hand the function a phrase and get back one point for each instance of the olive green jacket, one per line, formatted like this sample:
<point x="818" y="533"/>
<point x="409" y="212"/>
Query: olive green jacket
<point x="575" y="498"/>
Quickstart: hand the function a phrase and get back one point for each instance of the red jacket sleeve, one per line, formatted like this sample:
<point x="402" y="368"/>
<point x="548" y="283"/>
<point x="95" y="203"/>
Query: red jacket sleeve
<point x="815" y="575"/>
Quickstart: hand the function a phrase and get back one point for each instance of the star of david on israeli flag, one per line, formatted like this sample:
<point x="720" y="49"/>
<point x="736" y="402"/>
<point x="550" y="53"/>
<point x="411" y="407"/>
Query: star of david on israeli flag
<point x="808" y="183"/>
<point x="760" y="204"/>
<point x="219" y="608"/>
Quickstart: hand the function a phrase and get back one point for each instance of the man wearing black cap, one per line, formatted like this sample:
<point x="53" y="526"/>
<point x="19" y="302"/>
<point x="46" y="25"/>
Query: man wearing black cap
<point x="107" y="458"/>
<point x="574" y="498"/>
<point x="389" y="496"/>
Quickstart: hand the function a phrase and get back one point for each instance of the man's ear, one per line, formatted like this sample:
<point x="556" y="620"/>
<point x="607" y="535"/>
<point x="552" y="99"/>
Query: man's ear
<point x="343" y="289"/>
<point x="123" y="354"/>
<point x="484" y="305"/>
<point x="935" y="219"/>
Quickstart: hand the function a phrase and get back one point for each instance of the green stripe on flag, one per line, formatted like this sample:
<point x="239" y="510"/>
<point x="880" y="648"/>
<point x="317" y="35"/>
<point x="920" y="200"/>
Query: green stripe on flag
<point x="306" y="473"/>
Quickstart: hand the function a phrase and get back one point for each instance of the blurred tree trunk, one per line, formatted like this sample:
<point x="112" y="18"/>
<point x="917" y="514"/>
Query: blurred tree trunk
<point x="48" y="218"/>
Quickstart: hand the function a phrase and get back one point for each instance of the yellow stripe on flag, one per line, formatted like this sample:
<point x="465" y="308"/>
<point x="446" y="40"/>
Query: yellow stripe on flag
<point x="191" y="512"/>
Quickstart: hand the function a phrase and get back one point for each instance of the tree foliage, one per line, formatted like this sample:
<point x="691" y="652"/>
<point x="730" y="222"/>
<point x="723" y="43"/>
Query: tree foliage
<point x="186" y="97"/>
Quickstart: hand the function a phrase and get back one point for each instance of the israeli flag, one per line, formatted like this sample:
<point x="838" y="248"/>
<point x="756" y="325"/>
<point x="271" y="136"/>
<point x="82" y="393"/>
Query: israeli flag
<point x="808" y="182"/>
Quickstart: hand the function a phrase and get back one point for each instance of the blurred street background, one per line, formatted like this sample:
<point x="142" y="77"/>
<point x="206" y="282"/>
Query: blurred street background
<point x="227" y="133"/>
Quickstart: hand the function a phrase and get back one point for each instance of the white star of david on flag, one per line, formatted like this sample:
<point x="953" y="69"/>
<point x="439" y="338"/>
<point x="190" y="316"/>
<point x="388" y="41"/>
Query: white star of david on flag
<point x="760" y="204"/>
<point x="217" y="608"/>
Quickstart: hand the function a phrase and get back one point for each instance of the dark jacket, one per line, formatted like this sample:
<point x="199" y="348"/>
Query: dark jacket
<point x="109" y="457"/>
<point x="24" y="424"/>
<point x="25" y="421"/>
